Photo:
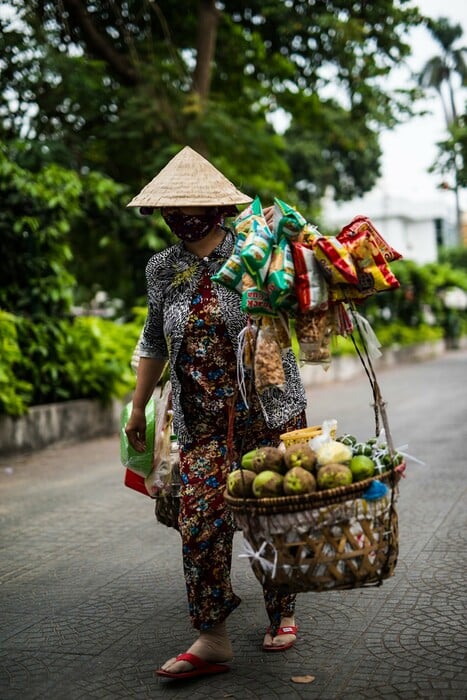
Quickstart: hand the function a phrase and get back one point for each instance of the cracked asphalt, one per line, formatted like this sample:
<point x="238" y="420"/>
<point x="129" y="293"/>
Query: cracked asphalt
<point x="92" y="594"/>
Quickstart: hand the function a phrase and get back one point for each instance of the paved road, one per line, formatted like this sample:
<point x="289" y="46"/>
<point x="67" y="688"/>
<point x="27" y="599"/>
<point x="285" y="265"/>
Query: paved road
<point x="92" y="589"/>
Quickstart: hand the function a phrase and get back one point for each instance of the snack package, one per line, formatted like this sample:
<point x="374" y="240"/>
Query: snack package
<point x="287" y="221"/>
<point x="268" y="367"/>
<point x="280" y="278"/>
<point x="373" y="272"/>
<point x="241" y="223"/>
<point x="314" y="330"/>
<point x="255" y="300"/>
<point x="159" y="480"/>
<point x="309" y="235"/>
<point x="360" y="224"/>
<point x="138" y="462"/>
<point x="257" y="248"/>
<point x="230" y="274"/>
<point x="335" y="260"/>
<point x="310" y="286"/>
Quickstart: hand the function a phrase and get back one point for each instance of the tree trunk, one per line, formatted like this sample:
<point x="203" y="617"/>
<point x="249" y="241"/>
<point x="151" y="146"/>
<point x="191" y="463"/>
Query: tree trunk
<point x="97" y="44"/>
<point x="208" y="19"/>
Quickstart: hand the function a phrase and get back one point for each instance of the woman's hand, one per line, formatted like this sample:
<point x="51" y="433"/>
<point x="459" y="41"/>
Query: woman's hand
<point x="269" y="216"/>
<point x="135" y="430"/>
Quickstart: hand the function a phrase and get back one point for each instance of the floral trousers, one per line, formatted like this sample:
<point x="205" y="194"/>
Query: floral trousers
<point x="207" y="527"/>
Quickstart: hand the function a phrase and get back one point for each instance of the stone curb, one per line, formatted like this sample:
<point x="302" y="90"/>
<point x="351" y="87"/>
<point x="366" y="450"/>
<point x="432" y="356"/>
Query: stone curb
<point x="75" y="421"/>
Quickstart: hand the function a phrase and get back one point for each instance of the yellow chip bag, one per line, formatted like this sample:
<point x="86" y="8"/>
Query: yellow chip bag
<point x="335" y="260"/>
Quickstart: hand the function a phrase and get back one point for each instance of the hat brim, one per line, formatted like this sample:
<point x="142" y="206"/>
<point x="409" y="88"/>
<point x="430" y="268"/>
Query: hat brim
<point x="189" y="180"/>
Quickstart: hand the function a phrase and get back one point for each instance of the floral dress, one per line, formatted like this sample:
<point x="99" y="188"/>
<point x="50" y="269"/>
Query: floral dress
<point x="222" y="429"/>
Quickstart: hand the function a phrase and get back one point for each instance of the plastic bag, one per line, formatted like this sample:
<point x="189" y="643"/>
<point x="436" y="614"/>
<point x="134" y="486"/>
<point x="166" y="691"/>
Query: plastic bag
<point x="314" y="330"/>
<point x="139" y="462"/>
<point x="268" y="367"/>
<point x="328" y="433"/>
<point x="158" y="477"/>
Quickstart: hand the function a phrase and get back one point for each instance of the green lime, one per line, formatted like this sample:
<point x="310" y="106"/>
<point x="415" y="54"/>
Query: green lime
<point x="362" y="467"/>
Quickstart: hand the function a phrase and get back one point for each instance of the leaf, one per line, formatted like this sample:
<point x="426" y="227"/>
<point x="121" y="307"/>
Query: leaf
<point x="302" y="679"/>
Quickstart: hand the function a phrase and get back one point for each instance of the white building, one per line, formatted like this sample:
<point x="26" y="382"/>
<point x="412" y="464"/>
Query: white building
<point x="415" y="229"/>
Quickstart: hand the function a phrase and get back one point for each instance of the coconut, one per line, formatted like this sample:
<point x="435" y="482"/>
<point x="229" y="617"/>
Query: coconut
<point x="300" y="455"/>
<point x="268" y="458"/>
<point x="240" y="482"/>
<point x="298" y="480"/>
<point x="333" y="475"/>
<point x="267" y="484"/>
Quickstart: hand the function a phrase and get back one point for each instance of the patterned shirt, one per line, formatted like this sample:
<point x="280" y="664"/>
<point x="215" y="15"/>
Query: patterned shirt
<point x="173" y="276"/>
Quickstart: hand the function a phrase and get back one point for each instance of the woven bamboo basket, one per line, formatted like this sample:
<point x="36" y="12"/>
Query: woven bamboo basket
<point x="294" y="437"/>
<point x="326" y="540"/>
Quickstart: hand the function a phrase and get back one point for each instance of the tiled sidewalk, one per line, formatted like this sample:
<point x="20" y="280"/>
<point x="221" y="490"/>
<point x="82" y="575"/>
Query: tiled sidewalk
<point x="92" y="588"/>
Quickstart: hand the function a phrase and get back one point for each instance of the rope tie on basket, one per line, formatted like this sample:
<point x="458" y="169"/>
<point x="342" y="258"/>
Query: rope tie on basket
<point x="371" y="351"/>
<point x="242" y="343"/>
<point x="246" y="390"/>
<point x="256" y="555"/>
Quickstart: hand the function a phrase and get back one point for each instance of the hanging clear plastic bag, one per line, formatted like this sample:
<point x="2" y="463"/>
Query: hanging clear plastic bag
<point x="161" y="478"/>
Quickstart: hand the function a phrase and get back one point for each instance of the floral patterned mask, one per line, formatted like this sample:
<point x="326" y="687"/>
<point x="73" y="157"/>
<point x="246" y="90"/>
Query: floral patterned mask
<point x="192" y="227"/>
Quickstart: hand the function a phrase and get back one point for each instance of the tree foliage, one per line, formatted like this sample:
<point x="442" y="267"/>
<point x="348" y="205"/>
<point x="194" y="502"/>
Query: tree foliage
<point x="118" y="88"/>
<point x="446" y="73"/>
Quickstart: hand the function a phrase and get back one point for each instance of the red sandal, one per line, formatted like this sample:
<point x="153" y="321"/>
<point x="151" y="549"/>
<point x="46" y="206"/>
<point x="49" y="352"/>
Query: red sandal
<point x="200" y="668"/>
<point x="290" y="629"/>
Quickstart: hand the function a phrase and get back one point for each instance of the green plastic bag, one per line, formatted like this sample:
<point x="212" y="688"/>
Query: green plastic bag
<point x="138" y="462"/>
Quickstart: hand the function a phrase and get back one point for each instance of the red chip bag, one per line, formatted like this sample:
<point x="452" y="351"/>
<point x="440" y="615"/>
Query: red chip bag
<point x="374" y="274"/>
<point x="361" y="224"/>
<point x="310" y="286"/>
<point x="335" y="260"/>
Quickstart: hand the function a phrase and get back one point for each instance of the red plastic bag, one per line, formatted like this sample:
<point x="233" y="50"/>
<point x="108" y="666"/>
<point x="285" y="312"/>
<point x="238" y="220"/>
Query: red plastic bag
<point x="135" y="482"/>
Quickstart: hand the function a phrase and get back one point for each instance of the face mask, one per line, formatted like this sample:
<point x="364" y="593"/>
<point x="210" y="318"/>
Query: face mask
<point x="191" y="227"/>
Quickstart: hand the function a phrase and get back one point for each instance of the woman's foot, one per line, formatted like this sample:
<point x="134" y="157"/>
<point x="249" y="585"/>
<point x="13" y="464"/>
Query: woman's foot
<point x="287" y="634"/>
<point x="212" y="645"/>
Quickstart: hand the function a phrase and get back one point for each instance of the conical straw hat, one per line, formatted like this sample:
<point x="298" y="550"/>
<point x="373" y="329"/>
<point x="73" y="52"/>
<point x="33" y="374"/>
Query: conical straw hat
<point x="189" y="180"/>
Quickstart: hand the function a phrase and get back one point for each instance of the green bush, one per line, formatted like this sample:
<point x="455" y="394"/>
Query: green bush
<point x="50" y="361"/>
<point x="15" y="393"/>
